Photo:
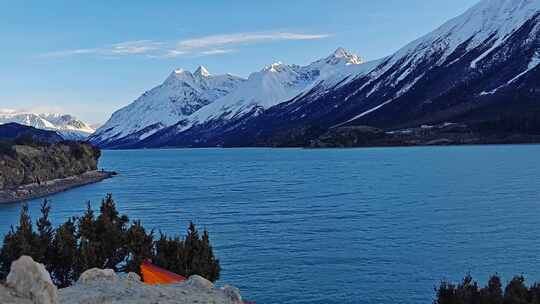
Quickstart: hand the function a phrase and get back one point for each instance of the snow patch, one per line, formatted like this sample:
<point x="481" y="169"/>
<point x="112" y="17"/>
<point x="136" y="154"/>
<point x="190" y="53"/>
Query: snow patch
<point x="486" y="53"/>
<point x="535" y="61"/>
<point x="366" y="112"/>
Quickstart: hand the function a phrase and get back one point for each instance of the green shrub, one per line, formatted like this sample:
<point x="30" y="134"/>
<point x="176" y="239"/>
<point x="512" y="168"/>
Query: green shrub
<point x="468" y="292"/>
<point x="104" y="241"/>
<point x="194" y="255"/>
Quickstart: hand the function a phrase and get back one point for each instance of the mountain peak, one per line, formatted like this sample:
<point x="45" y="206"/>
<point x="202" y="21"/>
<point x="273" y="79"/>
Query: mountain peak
<point x="179" y="72"/>
<point x="201" y="72"/>
<point x="343" y="54"/>
<point x="274" y="67"/>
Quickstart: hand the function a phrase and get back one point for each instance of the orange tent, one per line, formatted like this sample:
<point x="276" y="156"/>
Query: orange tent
<point x="154" y="275"/>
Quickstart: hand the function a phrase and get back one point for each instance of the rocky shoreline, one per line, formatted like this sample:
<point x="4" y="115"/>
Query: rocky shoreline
<point x="447" y="134"/>
<point x="29" y="283"/>
<point x="37" y="190"/>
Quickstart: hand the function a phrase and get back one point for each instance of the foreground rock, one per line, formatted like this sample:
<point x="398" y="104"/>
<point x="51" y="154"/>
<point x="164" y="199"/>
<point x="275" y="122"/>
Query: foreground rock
<point x="29" y="282"/>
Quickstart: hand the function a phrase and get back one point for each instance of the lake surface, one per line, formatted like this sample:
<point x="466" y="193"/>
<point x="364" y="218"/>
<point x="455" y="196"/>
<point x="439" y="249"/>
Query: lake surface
<point x="334" y="226"/>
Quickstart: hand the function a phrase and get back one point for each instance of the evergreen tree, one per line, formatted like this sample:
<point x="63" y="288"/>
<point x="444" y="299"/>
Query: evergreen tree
<point x="19" y="241"/>
<point x="199" y="255"/>
<point x="170" y="254"/>
<point x="140" y="247"/>
<point x="86" y="224"/>
<point x="25" y="235"/>
<point x="104" y="241"/>
<point x="534" y="294"/>
<point x="468" y="291"/>
<point x="192" y="250"/>
<point x="8" y="253"/>
<point x="110" y="235"/>
<point x="209" y="264"/>
<point x="492" y="294"/>
<point x="45" y="234"/>
<point x="193" y="255"/>
<point x="516" y="292"/>
<point x="87" y="251"/>
<point x="64" y="255"/>
<point x="446" y="294"/>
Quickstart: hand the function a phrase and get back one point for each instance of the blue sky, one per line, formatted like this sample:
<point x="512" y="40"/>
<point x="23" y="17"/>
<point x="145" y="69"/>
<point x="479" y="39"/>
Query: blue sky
<point x="90" y="58"/>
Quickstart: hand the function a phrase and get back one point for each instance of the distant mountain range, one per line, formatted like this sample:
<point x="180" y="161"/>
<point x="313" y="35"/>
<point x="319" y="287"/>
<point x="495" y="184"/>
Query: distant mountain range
<point x="67" y="126"/>
<point x="479" y="70"/>
<point x="14" y="131"/>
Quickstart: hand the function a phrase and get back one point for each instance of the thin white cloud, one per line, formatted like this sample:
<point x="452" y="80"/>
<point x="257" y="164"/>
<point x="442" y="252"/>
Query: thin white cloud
<point x="241" y="38"/>
<point x="170" y="54"/>
<point x="68" y="53"/>
<point x="206" y="45"/>
<point x="117" y="49"/>
<point x="135" y="47"/>
<point x="217" y="52"/>
<point x="213" y="44"/>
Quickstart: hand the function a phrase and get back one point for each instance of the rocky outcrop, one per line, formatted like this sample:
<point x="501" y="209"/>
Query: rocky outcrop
<point x="34" y="165"/>
<point x="29" y="280"/>
<point x="27" y="164"/>
<point x="29" y="283"/>
<point x="29" y="155"/>
<point x="98" y="275"/>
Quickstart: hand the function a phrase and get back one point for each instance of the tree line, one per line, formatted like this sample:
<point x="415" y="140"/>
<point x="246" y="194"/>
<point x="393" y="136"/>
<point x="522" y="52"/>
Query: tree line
<point x="469" y="292"/>
<point x="104" y="240"/>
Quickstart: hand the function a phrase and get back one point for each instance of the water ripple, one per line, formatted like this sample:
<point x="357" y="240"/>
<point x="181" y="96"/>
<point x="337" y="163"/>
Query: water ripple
<point x="334" y="226"/>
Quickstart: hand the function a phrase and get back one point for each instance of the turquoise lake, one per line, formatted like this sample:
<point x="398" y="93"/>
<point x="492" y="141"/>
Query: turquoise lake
<point x="381" y="225"/>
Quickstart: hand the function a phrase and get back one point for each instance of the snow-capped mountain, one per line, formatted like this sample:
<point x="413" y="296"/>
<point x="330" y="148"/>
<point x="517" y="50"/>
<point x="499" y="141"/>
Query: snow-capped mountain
<point x="275" y="84"/>
<point x="480" y="68"/>
<point x="491" y="47"/>
<point x="272" y="85"/>
<point x="182" y="94"/>
<point x="67" y="126"/>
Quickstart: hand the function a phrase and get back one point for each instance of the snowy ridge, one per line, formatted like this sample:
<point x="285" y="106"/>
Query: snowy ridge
<point x="68" y="126"/>
<point x="187" y="99"/>
<point x="441" y="75"/>
<point x="490" y="21"/>
<point x="275" y="83"/>
<point x="278" y="83"/>
<point x="180" y="95"/>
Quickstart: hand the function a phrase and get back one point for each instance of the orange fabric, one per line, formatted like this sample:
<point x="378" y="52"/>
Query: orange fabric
<point x="154" y="275"/>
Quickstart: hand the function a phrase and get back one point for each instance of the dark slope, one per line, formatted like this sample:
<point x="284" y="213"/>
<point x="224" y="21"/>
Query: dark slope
<point x="490" y="82"/>
<point x="14" y="132"/>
